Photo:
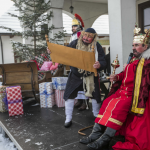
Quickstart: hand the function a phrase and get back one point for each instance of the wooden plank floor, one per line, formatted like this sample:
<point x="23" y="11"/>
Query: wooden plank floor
<point x="43" y="129"/>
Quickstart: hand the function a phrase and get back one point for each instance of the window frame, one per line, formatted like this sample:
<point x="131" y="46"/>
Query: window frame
<point x="141" y="8"/>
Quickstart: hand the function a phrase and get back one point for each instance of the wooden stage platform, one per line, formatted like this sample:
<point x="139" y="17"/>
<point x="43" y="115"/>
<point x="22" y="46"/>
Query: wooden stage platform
<point x="43" y="129"/>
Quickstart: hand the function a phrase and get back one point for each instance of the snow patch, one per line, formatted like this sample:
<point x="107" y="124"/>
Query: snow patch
<point x="39" y="143"/>
<point x="6" y="144"/>
<point x="35" y="104"/>
<point x="27" y="140"/>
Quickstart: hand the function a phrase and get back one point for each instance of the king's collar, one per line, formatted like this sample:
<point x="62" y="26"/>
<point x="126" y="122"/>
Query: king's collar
<point x="146" y="54"/>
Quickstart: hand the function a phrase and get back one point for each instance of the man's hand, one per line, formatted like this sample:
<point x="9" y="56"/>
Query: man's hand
<point x="48" y="51"/>
<point x="113" y="78"/>
<point x="124" y="66"/>
<point x="97" y="65"/>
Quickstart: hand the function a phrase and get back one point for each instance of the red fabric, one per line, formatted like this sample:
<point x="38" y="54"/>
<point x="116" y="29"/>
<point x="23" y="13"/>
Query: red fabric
<point x="78" y="34"/>
<point x="36" y="64"/>
<point x="120" y="76"/>
<point x="79" y="18"/>
<point x="125" y="146"/>
<point x="118" y="105"/>
<point x="145" y="84"/>
<point x="114" y="88"/>
<point x="136" y="131"/>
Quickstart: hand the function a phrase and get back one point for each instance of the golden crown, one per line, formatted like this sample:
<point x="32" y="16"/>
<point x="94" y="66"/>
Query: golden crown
<point x="141" y="38"/>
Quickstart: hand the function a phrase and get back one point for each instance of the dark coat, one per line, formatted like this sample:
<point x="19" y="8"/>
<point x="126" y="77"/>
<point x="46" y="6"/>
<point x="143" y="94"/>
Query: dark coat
<point x="75" y="81"/>
<point x="108" y="68"/>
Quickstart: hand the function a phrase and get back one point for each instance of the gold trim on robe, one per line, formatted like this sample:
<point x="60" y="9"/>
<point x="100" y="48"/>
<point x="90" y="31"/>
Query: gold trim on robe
<point x="112" y="120"/>
<point x="137" y="88"/>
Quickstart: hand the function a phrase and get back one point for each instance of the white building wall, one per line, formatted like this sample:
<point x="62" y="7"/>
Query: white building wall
<point x="89" y="11"/>
<point x="122" y="18"/>
<point x="7" y="48"/>
<point x="0" y="54"/>
<point x="57" y="20"/>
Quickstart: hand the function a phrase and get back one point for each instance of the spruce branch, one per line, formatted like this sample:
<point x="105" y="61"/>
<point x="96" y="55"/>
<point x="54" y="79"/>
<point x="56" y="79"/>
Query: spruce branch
<point x="34" y="17"/>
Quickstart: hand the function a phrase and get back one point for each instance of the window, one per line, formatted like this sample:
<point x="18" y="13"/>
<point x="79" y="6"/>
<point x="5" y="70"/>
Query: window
<point x="147" y="18"/>
<point x="101" y="24"/>
<point x="144" y="15"/>
<point x="67" y="23"/>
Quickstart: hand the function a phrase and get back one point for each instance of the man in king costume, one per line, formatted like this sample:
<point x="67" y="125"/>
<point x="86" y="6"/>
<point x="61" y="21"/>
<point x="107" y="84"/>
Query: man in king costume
<point x="127" y="109"/>
<point x="80" y="80"/>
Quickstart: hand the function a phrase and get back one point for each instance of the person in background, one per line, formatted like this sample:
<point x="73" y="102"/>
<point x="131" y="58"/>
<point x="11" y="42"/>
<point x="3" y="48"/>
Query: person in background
<point x="107" y="70"/>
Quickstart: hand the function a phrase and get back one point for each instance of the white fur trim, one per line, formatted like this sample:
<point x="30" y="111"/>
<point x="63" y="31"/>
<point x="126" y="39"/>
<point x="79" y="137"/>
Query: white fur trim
<point x="146" y="54"/>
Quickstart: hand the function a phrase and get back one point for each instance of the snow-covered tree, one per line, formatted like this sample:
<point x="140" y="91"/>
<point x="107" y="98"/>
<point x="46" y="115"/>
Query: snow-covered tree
<point x="34" y="17"/>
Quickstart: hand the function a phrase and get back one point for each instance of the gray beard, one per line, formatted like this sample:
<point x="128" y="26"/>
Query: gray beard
<point x="137" y="55"/>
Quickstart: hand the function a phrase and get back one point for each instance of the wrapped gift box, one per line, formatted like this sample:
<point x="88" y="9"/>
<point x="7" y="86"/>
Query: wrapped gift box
<point x="59" y="83"/>
<point x="3" y="99"/>
<point x="59" y="94"/>
<point x="46" y="95"/>
<point x="14" y="99"/>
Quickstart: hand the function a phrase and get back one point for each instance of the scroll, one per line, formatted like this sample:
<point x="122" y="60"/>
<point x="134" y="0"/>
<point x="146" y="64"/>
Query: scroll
<point x="72" y="57"/>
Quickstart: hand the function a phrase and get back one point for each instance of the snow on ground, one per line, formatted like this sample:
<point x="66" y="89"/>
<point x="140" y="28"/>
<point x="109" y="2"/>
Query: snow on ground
<point x="6" y="144"/>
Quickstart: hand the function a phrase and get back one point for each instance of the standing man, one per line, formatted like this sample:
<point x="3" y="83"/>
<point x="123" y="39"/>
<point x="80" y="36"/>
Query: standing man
<point x="132" y="96"/>
<point x="79" y="79"/>
<point x="77" y="27"/>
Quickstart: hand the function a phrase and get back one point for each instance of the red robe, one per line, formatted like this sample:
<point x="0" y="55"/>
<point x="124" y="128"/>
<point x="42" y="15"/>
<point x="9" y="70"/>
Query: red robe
<point x="136" y="131"/>
<point x="114" y="110"/>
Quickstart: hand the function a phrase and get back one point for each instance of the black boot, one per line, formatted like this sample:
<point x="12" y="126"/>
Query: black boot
<point x="103" y="140"/>
<point x="79" y="103"/>
<point x="96" y="133"/>
<point x="68" y="124"/>
<point x="83" y="106"/>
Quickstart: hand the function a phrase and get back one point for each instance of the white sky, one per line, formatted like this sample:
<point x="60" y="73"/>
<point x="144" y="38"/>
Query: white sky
<point x="5" y="5"/>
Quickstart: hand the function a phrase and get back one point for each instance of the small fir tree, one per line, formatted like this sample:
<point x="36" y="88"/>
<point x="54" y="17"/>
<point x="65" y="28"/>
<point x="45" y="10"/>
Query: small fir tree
<point x="34" y="17"/>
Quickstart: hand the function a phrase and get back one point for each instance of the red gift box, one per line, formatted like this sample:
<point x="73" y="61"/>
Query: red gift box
<point x="59" y="94"/>
<point x="14" y="98"/>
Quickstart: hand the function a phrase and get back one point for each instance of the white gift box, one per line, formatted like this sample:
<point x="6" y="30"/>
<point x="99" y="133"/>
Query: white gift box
<point x="46" y="95"/>
<point x="59" y="83"/>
